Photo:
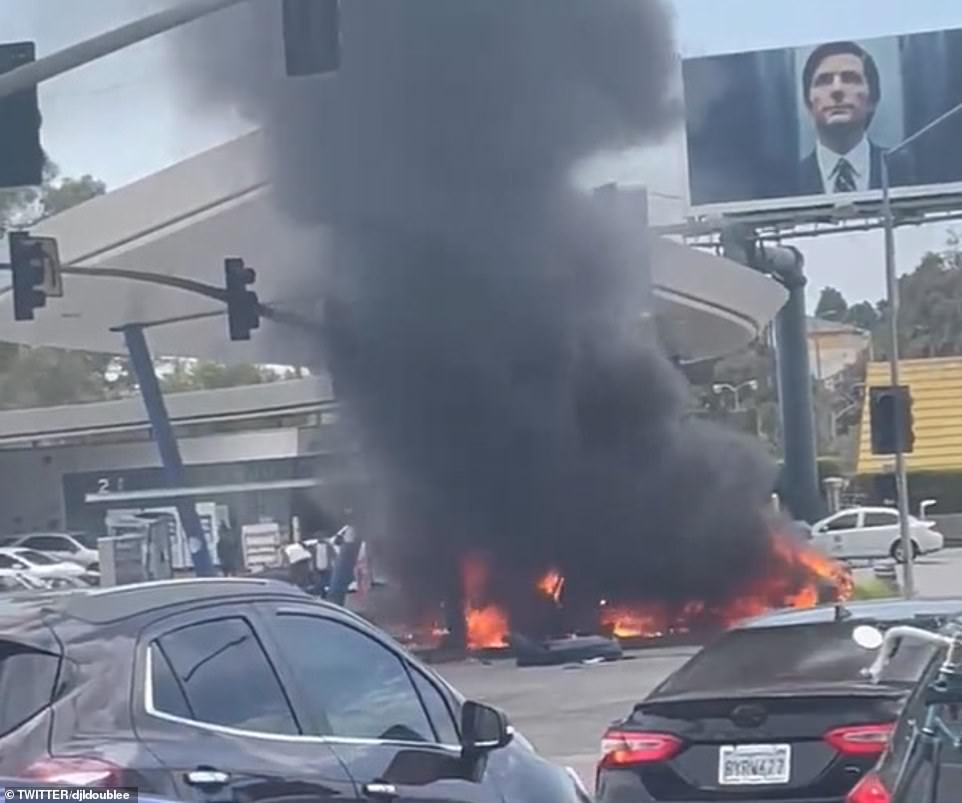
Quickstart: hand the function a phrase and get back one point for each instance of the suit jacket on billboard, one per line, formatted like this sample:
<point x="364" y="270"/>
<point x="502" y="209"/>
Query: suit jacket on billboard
<point x="900" y="172"/>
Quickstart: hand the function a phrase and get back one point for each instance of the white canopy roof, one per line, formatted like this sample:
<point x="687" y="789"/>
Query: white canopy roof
<point x="183" y="221"/>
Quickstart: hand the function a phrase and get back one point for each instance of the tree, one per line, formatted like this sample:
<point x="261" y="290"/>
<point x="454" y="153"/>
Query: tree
<point x="864" y="315"/>
<point x="831" y="305"/>
<point x="207" y="375"/>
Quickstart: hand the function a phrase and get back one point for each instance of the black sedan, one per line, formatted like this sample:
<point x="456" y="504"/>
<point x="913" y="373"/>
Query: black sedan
<point x="777" y="709"/>
<point x="244" y="690"/>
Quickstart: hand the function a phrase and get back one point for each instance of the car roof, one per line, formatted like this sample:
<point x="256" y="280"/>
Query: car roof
<point x="885" y="610"/>
<point x="106" y="605"/>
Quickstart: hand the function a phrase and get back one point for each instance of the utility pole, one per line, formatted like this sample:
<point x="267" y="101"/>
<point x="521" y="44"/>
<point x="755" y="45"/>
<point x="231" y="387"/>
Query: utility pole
<point x="892" y="293"/>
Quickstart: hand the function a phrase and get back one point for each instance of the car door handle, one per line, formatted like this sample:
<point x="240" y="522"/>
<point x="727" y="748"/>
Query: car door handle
<point x="206" y="776"/>
<point x="378" y="789"/>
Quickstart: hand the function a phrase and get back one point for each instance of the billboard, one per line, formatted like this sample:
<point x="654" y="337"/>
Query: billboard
<point x="806" y="126"/>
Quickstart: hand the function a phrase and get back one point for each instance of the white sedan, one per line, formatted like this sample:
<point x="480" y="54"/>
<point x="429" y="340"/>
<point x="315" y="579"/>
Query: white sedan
<point x="62" y="546"/>
<point x="17" y="560"/>
<point x="873" y="532"/>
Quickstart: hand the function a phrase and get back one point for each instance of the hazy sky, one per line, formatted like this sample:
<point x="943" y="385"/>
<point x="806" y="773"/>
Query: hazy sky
<point x="119" y="118"/>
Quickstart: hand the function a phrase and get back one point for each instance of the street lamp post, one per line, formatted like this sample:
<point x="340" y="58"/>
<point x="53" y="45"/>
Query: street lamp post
<point x="720" y="387"/>
<point x="891" y="283"/>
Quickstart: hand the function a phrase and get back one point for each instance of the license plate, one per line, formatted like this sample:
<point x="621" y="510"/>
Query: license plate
<point x="754" y="764"/>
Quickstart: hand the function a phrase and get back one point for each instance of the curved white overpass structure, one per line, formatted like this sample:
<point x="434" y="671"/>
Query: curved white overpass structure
<point x="186" y="219"/>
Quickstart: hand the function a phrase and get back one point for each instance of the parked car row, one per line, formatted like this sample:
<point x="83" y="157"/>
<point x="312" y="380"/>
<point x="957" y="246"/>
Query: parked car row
<point x="70" y="547"/>
<point x="248" y="689"/>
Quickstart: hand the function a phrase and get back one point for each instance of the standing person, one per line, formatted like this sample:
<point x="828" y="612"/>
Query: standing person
<point x="227" y="549"/>
<point x="298" y="559"/>
<point x="842" y="90"/>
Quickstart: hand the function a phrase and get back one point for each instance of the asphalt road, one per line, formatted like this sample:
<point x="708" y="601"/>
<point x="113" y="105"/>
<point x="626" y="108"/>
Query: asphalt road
<point x="936" y="575"/>
<point x="563" y="711"/>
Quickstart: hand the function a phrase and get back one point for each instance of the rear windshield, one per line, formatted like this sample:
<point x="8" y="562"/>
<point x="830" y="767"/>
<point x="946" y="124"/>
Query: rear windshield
<point x="27" y="678"/>
<point x="758" y="658"/>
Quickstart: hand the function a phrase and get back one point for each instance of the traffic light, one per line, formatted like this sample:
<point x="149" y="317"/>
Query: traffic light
<point x="27" y="258"/>
<point x="243" y="307"/>
<point x="890" y="415"/>
<point x="312" y="36"/>
<point x="21" y="156"/>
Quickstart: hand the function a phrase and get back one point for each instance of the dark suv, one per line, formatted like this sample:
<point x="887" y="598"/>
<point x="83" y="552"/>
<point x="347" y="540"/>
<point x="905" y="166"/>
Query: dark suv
<point x="244" y="690"/>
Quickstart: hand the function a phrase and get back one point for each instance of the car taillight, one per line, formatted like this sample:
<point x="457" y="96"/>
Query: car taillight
<point x="869" y="790"/>
<point x="74" y="771"/>
<point x="861" y="740"/>
<point x="624" y="748"/>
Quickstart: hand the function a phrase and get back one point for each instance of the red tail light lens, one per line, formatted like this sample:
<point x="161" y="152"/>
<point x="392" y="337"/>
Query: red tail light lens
<point x="74" y="771"/>
<point x="861" y="740"/>
<point x="869" y="790"/>
<point x="624" y="748"/>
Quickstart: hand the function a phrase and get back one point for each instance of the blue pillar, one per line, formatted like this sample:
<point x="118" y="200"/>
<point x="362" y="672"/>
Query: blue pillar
<point x="163" y="433"/>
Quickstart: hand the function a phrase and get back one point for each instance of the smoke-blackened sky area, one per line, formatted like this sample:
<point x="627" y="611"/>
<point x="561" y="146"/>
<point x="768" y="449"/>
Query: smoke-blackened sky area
<point x="481" y="331"/>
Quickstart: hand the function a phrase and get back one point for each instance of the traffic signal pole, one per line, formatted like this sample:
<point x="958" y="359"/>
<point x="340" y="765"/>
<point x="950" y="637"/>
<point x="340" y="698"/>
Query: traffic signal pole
<point x="163" y="433"/>
<point x="108" y="42"/>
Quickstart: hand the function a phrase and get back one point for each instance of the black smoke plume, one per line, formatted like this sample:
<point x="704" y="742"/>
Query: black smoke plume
<point x="481" y="332"/>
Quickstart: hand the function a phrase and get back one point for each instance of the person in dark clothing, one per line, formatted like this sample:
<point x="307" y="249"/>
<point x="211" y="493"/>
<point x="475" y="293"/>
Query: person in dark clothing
<point x="228" y="551"/>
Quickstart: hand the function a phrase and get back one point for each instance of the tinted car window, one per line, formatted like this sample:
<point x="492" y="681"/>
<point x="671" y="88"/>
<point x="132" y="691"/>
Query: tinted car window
<point x="356" y="684"/>
<point x="51" y="543"/>
<point x="36" y="558"/>
<point x="27" y="679"/>
<point x="7" y="562"/>
<point x="880" y="519"/>
<point x="771" y="656"/>
<point x="225" y="676"/>
<point x="846" y="522"/>
<point x="168" y="696"/>
<point x="437" y="708"/>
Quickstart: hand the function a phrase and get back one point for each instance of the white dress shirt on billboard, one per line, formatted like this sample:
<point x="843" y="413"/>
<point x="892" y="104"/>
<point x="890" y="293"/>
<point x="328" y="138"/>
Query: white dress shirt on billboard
<point x="860" y="158"/>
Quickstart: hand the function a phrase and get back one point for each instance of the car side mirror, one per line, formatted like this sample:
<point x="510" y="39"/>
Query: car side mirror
<point x="483" y="728"/>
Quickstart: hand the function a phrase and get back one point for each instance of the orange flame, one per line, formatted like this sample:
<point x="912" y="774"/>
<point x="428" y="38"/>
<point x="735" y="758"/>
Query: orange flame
<point x="552" y="584"/>
<point x="797" y="578"/>
<point x="487" y="624"/>
<point x="794" y="582"/>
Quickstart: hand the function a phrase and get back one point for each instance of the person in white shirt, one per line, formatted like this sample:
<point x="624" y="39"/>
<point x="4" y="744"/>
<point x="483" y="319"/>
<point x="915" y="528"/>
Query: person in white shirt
<point x="842" y="91"/>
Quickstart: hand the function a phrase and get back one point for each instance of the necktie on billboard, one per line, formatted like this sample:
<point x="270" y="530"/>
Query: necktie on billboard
<point x="844" y="176"/>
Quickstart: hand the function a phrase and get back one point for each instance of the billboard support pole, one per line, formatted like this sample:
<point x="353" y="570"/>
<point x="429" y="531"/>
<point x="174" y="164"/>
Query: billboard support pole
<point x="785" y="265"/>
<point x="795" y="384"/>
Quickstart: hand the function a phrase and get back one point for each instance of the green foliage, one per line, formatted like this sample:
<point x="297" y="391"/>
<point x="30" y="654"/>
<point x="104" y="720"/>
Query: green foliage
<point x="831" y="305"/>
<point x="207" y="375"/>
<point x="874" y="588"/>
<point x="930" y="311"/>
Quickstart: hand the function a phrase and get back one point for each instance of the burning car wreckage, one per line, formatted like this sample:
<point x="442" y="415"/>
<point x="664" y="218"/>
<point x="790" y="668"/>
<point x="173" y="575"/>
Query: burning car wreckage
<point x="536" y="470"/>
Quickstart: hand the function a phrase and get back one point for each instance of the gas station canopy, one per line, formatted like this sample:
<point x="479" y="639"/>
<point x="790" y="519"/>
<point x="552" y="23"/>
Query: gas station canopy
<point x="184" y="220"/>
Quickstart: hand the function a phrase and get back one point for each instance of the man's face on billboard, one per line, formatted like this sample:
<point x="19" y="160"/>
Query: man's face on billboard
<point x="839" y="93"/>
